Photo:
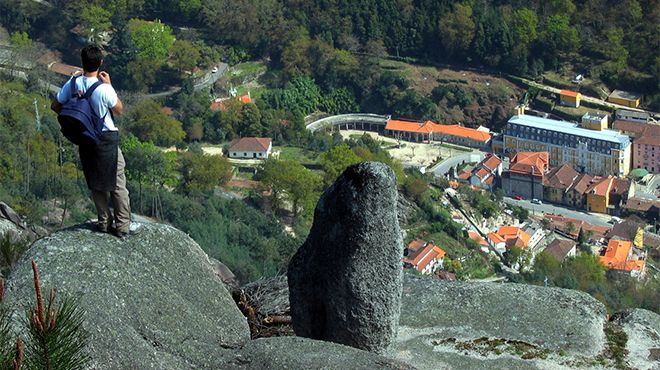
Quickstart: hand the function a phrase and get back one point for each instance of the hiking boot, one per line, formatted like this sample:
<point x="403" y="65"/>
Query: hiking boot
<point x="103" y="228"/>
<point x="133" y="229"/>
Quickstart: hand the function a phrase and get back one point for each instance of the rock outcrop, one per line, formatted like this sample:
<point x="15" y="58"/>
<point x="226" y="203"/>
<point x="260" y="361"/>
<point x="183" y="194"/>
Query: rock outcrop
<point x="155" y="301"/>
<point x="490" y="325"/>
<point x="12" y="224"/>
<point x="643" y="330"/>
<point x="152" y="300"/>
<point x="345" y="280"/>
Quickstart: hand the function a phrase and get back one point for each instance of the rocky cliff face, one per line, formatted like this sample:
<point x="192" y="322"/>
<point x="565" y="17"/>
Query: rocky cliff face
<point x="155" y="301"/>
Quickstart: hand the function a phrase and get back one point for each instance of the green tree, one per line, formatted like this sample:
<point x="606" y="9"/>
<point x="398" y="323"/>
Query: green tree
<point x="291" y="180"/>
<point x="457" y="29"/>
<point x="525" y="23"/>
<point x="147" y="165"/>
<point x="559" y="35"/>
<point x="149" y="123"/>
<point x="336" y="160"/>
<point x="202" y="172"/>
<point x="185" y="55"/>
<point x="94" y="21"/>
<point x="152" y="40"/>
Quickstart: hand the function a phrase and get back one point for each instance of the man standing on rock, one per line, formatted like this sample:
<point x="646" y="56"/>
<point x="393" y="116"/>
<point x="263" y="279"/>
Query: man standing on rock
<point x="103" y="164"/>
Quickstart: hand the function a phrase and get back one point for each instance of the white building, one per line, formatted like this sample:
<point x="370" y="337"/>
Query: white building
<point x="251" y="147"/>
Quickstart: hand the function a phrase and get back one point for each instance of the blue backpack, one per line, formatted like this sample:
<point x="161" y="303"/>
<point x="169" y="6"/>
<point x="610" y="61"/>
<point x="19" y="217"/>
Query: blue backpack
<point x="78" y="121"/>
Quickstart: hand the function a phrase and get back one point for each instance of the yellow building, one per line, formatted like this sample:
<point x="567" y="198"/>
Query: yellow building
<point x="598" y="194"/>
<point x="569" y="98"/>
<point x="594" y="121"/>
<point x="604" y="152"/>
<point x="628" y="99"/>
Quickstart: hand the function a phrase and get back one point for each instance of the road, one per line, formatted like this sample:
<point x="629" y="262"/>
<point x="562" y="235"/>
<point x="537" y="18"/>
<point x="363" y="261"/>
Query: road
<point x="585" y="98"/>
<point x="443" y="167"/>
<point x="592" y="218"/>
<point x="208" y="80"/>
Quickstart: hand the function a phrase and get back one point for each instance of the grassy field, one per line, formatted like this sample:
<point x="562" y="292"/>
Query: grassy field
<point x="301" y="155"/>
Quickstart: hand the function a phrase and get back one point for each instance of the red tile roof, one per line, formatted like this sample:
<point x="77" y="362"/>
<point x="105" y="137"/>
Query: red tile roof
<point x="64" y="69"/>
<point x="600" y="186"/>
<point x="220" y="103"/>
<point x="559" y="248"/>
<point x="464" y="175"/>
<point x="570" y="93"/>
<point x="617" y="256"/>
<point x="561" y="177"/>
<point x="416" y="244"/>
<point x="491" y="162"/>
<point x="432" y="127"/>
<point x="512" y="232"/>
<point x="251" y="144"/>
<point x="421" y="258"/>
<point x="529" y="163"/>
<point x="477" y="237"/>
<point x="495" y="238"/>
<point x="581" y="184"/>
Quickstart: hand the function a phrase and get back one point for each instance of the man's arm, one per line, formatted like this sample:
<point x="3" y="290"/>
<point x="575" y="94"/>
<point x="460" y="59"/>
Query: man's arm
<point x="118" y="109"/>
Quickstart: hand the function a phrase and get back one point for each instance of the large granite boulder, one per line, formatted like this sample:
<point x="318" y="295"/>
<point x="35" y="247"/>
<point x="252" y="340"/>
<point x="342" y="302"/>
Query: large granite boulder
<point x="345" y="280"/>
<point x="507" y="326"/>
<point x="642" y="329"/>
<point x="152" y="300"/>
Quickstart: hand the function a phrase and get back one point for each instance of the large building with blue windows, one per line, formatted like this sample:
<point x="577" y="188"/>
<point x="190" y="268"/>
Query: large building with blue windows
<point x="597" y="152"/>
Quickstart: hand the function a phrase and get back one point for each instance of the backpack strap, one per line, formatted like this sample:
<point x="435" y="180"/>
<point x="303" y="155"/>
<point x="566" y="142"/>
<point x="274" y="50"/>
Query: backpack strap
<point x="91" y="89"/>
<point x="72" y="86"/>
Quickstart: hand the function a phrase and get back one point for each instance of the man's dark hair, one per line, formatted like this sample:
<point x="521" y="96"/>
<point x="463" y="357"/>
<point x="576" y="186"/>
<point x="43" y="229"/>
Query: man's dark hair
<point x="91" y="56"/>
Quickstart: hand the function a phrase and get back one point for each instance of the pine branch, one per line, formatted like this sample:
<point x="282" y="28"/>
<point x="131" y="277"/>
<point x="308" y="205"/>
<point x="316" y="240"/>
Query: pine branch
<point x="57" y="339"/>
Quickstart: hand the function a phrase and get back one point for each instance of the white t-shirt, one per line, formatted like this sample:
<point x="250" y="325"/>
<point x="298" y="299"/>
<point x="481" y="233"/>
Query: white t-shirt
<point x="103" y="98"/>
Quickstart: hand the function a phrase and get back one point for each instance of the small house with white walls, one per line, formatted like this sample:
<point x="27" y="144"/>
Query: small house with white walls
<point x="251" y="148"/>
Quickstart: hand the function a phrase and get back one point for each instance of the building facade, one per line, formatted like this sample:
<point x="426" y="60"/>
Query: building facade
<point x="525" y="175"/>
<point x="251" y="148"/>
<point x="600" y="152"/>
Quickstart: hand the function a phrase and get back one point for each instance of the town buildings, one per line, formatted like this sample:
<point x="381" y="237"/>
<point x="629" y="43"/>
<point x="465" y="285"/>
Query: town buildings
<point x="525" y="175"/>
<point x="422" y="256"/>
<point x="251" y="147"/>
<point x="598" y="152"/>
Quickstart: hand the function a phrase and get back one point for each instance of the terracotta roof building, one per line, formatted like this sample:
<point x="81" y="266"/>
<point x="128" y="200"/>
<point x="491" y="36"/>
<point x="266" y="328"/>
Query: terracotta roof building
<point x="486" y="172"/>
<point x="423" y="257"/>
<point x="561" y="249"/>
<point x="619" y="255"/>
<point x="430" y="131"/>
<point x="514" y="236"/>
<point x="479" y="239"/>
<point x="562" y="225"/>
<point x="576" y="195"/>
<point x="569" y="98"/>
<point x="598" y="194"/>
<point x="557" y="182"/>
<point x="251" y="147"/>
<point x="525" y="175"/>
